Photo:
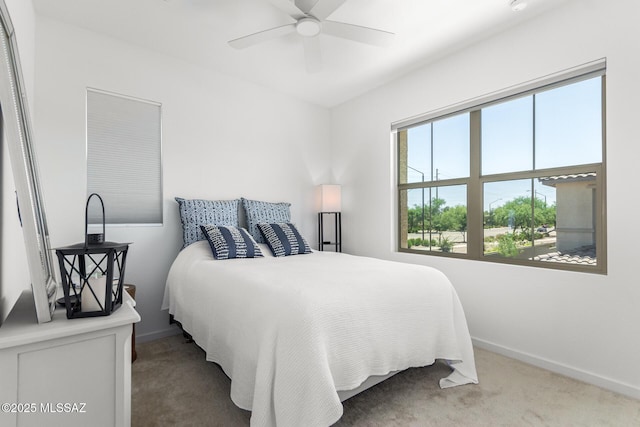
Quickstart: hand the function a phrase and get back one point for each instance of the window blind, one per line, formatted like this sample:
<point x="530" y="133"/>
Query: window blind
<point x="124" y="164"/>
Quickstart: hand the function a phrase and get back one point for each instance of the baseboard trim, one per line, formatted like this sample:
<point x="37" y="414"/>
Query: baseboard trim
<point x="152" y="336"/>
<point x="562" y="369"/>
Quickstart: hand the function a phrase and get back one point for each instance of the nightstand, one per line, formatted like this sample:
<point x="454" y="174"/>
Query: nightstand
<point x="337" y="229"/>
<point x="81" y="362"/>
<point x="131" y="290"/>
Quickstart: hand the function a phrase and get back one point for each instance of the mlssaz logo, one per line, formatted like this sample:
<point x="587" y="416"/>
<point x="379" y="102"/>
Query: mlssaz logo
<point x="67" y="408"/>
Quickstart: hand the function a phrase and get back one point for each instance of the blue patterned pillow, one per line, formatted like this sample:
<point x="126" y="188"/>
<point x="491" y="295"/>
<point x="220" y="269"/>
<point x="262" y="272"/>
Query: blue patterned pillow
<point x="284" y="239"/>
<point x="258" y="212"/>
<point x="230" y="242"/>
<point x="194" y="213"/>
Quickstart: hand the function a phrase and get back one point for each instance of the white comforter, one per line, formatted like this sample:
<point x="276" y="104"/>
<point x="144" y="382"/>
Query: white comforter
<point x="292" y="331"/>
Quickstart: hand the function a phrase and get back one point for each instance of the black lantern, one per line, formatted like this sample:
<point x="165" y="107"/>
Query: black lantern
<point x="92" y="272"/>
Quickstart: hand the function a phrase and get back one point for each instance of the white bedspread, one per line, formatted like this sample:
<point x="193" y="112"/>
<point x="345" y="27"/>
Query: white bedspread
<point x="291" y="331"/>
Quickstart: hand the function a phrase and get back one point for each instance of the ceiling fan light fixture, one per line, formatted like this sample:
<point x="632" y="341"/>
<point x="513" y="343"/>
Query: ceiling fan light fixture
<point x="308" y="27"/>
<point x="517" y="5"/>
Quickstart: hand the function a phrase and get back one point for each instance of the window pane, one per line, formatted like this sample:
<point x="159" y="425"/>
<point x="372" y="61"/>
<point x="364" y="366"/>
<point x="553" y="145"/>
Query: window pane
<point x="415" y="223"/>
<point x="544" y="218"/>
<point x="507" y="136"/>
<point x="574" y="226"/>
<point x="556" y="225"/>
<point x="569" y="125"/>
<point x="508" y="214"/>
<point x="451" y="148"/>
<point x="435" y="219"/>
<point x="449" y="218"/>
<point x="419" y="153"/>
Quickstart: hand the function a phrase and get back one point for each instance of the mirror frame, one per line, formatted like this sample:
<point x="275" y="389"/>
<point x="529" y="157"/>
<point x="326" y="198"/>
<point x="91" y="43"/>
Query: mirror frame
<point x="16" y="131"/>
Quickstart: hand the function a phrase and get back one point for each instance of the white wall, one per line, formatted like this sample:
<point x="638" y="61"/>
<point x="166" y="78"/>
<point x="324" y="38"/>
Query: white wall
<point x="14" y="270"/>
<point x="222" y="138"/>
<point x="581" y="324"/>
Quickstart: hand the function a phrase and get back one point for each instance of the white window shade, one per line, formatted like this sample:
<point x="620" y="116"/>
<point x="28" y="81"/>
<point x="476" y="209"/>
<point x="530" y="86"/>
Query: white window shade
<point x="124" y="164"/>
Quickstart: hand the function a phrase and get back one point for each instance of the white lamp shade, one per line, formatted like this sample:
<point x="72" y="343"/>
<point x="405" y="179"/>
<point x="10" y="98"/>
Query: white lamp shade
<point x="330" y="198"/>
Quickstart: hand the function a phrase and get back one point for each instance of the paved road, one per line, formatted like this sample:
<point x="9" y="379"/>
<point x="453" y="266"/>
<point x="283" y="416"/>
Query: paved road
<point x="457" y="236"/>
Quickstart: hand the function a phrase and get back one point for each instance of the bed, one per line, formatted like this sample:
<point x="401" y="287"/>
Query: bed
<point x="298" y="334"/>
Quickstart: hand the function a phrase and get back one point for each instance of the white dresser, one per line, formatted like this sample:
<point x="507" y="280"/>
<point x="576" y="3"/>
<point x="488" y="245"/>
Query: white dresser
<point x="70" y="372"/>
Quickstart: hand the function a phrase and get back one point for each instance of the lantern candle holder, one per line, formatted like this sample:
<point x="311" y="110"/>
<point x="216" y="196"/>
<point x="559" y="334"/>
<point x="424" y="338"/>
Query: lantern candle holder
<point x="92" y="273"/>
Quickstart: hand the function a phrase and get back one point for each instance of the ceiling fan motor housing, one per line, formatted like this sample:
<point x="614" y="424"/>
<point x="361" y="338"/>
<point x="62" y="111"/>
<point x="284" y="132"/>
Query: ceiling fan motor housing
<point x="308" y="27"/>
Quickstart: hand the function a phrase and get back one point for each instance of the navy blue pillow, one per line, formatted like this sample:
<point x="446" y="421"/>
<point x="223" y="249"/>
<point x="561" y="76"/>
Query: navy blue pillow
<point x="284" y="239"/>
<point x="230" y="242"/>
<point x="259" y="212"/>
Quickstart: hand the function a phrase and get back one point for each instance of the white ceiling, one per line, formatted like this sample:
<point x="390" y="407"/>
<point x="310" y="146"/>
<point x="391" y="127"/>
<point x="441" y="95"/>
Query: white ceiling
<point x="198" y="30"/>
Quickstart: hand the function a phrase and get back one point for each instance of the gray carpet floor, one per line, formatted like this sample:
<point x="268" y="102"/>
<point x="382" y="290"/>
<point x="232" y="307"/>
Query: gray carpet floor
<point x="173" y="385"/>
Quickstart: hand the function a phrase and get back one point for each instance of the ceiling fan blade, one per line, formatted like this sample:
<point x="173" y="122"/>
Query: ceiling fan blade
<point x="312" y="54"/>
<point x="289" y="8"/>
<point x="324" y="8"/>
<point x="262" y="36"/>
<point x="357" y="33"/>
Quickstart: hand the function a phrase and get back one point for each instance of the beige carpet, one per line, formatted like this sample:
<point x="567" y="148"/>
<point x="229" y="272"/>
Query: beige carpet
<point x="173" y="385"/>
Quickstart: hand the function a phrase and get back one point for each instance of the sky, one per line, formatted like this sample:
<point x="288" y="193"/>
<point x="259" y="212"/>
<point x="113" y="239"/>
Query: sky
<point x="554" y="128"/>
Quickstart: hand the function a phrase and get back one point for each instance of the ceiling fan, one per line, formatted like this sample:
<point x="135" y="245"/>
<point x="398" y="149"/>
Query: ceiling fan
<point x="309" y="24"/>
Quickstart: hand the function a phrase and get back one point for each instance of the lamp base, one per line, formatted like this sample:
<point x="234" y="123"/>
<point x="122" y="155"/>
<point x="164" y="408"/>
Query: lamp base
<point x="95" y="239"/>
<point x="60" y="301"/>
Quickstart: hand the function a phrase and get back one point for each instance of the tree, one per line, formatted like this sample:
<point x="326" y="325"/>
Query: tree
<point x="436" y="207"/>
<point x="455" y="219"/>
<point x="543" y="214"/>
<point x="415" y="219"/>
<point x="435" y="216"/>
<point x="515" y="213"/>
<point x="518" y="213"/>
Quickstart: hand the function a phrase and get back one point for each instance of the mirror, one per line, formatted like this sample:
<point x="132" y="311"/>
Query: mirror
<point x="16" y="133"/>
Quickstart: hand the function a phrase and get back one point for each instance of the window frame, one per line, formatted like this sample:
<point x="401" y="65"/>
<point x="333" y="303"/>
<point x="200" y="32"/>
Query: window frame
<point x="476" y="181"/>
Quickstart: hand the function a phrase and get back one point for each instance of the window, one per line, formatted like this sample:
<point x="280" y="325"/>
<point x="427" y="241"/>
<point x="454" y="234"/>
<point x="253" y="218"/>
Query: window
<point x="436" y="213"/>
<point x="515" y="178"/>
<point x="124" y="158"/>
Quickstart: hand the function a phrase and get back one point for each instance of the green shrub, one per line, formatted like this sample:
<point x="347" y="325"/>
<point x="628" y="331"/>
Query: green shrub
<point x="419" y="242"/>
<point x="507" y="245"/>
<point x="446" y="245"/>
